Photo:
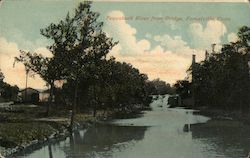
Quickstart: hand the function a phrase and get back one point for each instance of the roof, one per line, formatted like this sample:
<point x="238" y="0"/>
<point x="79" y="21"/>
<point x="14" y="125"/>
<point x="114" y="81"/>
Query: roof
<point x="46" y="91"/>
<point x="30" y="89"/>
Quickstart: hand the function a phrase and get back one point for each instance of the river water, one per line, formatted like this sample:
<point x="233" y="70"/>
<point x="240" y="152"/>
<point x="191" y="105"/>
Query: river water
<point x="160" y="133"/>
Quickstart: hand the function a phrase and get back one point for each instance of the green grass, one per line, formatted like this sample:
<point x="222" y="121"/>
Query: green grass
<point x="23" y="126"/>
<point x="13" y="134"/>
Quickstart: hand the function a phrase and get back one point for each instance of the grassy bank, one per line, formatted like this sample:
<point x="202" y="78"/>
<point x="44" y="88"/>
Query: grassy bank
<point x="22" y="126"/>
<point x="17" y="134"/>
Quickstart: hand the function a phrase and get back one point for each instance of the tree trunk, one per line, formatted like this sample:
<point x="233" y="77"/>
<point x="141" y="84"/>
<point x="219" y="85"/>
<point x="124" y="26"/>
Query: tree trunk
<point x="95" y="101"/>
<point x="50" y="151"/>
<point x="94" y="113"/>
<point x="74" y="107"/>
<point x="51" y="92"/>
<point x="26" y="86"/>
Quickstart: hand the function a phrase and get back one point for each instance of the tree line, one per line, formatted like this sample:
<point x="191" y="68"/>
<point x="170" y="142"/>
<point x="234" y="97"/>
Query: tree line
<point x="91" y="80"/>
<point x="222" y="80"/>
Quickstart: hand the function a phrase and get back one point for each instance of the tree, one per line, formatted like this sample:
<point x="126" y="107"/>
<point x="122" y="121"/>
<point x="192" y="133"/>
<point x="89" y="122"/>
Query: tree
<point x="119" y="87"/>
<point x="161" y="87"/>
<point x="78" y="43"/>
<point x="45" y="67"/>
<point x="8" y="92"/>
<point x="1" y="76"/>
<point x="183" y="88"/>
<point x="222" y="80"/>
<point x="124" y="87"/>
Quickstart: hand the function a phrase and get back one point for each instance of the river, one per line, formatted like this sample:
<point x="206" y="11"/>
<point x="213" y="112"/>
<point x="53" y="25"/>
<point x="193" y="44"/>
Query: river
<point x="160" y="133"/>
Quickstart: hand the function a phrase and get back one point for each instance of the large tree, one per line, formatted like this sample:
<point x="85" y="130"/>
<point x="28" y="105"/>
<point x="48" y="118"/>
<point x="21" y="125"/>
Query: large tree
<point x="118" y="87"/>
<point x="222" y="80"/>
<point x="78" y="43"/>
<point x="46" y="67"/>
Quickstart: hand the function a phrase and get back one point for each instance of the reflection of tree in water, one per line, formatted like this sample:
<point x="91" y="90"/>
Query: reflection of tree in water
<point x="103" y="138"/>
<point x="50" y="151"/>
<point x="230" y="138"/>
<point x="186" y="128"/>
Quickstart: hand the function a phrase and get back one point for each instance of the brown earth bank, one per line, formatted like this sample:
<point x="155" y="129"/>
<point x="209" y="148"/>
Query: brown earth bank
<point x="25" y="127"/>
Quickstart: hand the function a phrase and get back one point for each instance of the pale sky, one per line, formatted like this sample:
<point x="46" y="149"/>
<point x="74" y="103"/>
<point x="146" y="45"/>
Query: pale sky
<point x="157" y="38"/>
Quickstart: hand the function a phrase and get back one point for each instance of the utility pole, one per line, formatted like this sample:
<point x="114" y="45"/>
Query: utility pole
<point x="193" y="78"/>
<point x="206" y="55"/>
<point x="213" y="47"/>
<point x="26" y="84"/>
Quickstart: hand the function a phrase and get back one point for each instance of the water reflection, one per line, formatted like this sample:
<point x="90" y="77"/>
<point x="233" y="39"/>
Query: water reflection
<point x="160" y="133"/>
<point x="101" y="138"/>
<point x="50" y="151"/>
<point x="228" y="139"/>
<point x="186" y="128"/>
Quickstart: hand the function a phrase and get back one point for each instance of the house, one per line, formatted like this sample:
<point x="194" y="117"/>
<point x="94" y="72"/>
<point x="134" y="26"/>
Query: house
<point x="174" y="101"/>
<point x="29" y="95"/>
<point x="44" y="96"/>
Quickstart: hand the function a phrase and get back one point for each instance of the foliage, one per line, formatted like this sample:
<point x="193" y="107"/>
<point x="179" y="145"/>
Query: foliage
<point x="223" y="79"/>
<point x="183" y="88"/>
<point x="159" y="87"/>
<point x="45" y="67"/>
<point x="1" y="76"/>
<point x="80" y="46"/>
<point x="119" y="86"/>
<point x="79" y="49"/>
<point x="78" y="41"/>
<point x="7" y="91"/>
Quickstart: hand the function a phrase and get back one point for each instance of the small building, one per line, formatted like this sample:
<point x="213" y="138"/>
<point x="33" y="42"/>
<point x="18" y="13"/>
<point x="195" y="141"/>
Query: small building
<point x="174" y="101"/>
<point x="29" y="95"/>
<point x="1" y="97"/>
<point x="44" y="96"/>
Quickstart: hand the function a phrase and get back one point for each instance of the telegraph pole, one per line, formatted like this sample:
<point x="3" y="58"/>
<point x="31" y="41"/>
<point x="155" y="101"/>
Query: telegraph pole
<point x="193" y="78"/>
<point x="26" y="84"/>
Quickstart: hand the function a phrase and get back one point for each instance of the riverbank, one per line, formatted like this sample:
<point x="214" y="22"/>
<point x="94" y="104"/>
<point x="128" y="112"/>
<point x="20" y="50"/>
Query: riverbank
<point x="25" y="128"/>
<point x="22" y="135"/>
<point x="221" y="114"/>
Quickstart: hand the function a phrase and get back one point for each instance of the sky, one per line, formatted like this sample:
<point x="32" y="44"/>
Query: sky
<point x="158" y="38"/>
